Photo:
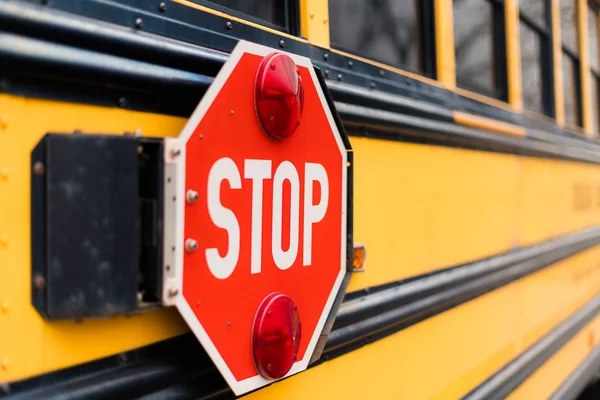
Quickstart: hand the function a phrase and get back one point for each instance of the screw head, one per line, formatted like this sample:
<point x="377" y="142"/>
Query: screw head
<point x="122" y="101"/>
<point x="138" y="23"/>
<point x="339" y="77"/>
<point x="282" y="43"/>
<point x="38" y="168"/>
<point x="173" y="292"/>
<point x="229" y="25"/>
<point x="350" y="64"/>
<point x="326" y="56"/>
<point x="191" y="245"/>
<point x="39" y="282"/>
<point x="162" y="7"/>
<point x="191" y="196"/>
<point x="175" y="152"/>
<point x="311" y="15"/>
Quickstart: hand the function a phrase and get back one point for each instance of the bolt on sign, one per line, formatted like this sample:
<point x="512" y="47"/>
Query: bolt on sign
<point x="257" y="217"/>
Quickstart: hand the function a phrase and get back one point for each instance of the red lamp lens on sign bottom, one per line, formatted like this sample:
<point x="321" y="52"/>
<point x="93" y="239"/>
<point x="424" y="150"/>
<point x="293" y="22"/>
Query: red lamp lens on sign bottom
<point x="278" y="96"/>
<point x="275" y="336"/>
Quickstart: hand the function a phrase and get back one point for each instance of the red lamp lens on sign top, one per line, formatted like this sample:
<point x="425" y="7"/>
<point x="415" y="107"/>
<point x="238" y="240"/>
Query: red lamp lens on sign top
<point x="279" y="96"/>
<point x="276" y="336"/>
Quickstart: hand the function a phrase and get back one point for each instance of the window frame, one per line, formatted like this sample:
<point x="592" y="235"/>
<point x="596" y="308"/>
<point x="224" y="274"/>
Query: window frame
<point x="595" y="74"/>
<point x="289" y="23"/>
<point x="499" y="51"/>
<point x="427" y="57"/>
<point x="576" y="60"/>
<point x="546" y="57"/>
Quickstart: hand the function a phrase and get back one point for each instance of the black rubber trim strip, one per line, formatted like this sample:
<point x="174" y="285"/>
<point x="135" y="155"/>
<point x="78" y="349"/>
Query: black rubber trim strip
<point x="587" y="372"/>
<point x="367" y="121"/>
<point x="180" y="367"/>
<point x="503" y="382"/>
<point x="105" y="26"/>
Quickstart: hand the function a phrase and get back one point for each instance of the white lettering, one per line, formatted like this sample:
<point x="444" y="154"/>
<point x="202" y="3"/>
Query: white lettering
<point x="257" y="171"/>
<point x="285" y="171"/>
<point x="313" y="213"/>
<point x="223" y="170"/>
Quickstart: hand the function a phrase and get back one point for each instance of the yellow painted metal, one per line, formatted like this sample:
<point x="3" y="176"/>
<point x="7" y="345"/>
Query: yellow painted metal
<point x="559" y="99"/>
<point x="584" y="65"/>
<point x="444" y="39"/>
<point x="446" y="356"/>
<point x="314" y="20"/>
<point x="513" y="54"/>
<point x="543" y="382"/>
<point x="489" y="124"/>
<point x="461" y="206"/>
<point x="209" y="10"/>
<point x="31" y="345"/>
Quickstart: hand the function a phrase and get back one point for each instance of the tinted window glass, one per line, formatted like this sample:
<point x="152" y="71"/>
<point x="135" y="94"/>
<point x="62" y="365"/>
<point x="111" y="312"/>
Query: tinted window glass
<point x="383" y="30"/>
<point x="273" y="11"/>
<point x="534" y="10"/>
<point x="594" y="104"/>
<point x="593" y="37"/>
<point x="568" y="24"/>
<point x="571" y="92"/>
<point x="473" y="38"/>
<point x="532" y="72"/>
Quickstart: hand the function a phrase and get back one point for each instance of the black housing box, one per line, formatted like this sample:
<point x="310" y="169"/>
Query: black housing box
<point x="85" y="225"/>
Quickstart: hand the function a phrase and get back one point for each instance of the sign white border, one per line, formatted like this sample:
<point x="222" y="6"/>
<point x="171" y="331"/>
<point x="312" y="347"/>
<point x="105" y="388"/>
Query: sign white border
<point x="255" y="382"/>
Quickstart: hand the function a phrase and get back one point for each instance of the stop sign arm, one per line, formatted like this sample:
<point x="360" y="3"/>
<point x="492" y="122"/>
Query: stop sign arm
<point x="207" y="254"/>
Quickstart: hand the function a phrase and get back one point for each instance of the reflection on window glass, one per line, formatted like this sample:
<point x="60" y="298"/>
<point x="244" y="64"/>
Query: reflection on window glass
<point x="272" y="11"/>
<point x="568" y="24"/>
<point x="535" y="10"/>
<point x="383" y="30"/>
<point x="571" y="92"/>
<point x="594" y="104"/>
<point x="593" y="37"/>
<point x="473" y="36"/>
<point x="532" y="72"/>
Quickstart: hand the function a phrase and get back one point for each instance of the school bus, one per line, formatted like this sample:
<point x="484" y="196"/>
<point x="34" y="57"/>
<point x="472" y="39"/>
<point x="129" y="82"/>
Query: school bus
<point x="474" y="128"/>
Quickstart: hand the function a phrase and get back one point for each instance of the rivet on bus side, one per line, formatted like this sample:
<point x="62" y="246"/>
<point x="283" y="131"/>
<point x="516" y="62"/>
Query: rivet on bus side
<point x="229" y="25"/>
<point x="4" y="173"/>
<point x="325" y="20"/>
<point x="162" y="6"/>
<point x="4" y="121"/>
<point x="311" y="15"/>
<point x="138" y="23"/>
<point x="39" y="282"/>
<point x="5" y="363"/>
<point x="38" y="168"/>
<point x="3" y="240"/>
<point x="5" y="307"/>
<point x="282" y="43"/>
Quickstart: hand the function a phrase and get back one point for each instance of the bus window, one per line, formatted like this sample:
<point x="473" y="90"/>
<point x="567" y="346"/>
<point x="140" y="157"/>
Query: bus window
<point x="389" y="31"/>
<point x="280" y="13"/>
<point x="480" y="46"/>
<point x="535" y="56"/>
<point x="594" y="68"/>
<point x="568" y="27"/>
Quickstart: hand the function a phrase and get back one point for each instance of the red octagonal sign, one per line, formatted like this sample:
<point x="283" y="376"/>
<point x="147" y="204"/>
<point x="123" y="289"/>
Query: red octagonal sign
<point x="256" y="190"/>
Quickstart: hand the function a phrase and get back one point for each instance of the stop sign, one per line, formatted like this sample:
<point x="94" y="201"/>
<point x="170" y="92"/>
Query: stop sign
<point x="259" y="221"/>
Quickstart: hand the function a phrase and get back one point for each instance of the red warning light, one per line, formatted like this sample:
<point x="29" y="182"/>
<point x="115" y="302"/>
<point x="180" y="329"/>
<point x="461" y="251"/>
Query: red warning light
<point x="276" y="336"/>
<point x="278" y="96"/>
